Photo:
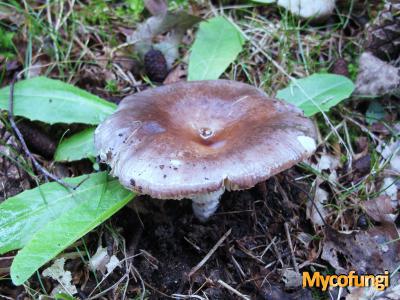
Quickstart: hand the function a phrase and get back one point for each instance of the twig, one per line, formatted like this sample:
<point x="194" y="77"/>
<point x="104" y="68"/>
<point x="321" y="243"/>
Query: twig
<point x="157" y="291"/>
<point x="238" y="267"/>
<point x="267" y="248"/>
<point x="142" y="282"/>
<point x="363" y="128"/>
<point x="180" y="296"/>
<point x="211" y="252"/>
<point x="14" y="126"/>
<point x="296" y="267"/>
<point x="102" y="293"/>
<point x="277" y="253"/>
<point x="236" y="292"/>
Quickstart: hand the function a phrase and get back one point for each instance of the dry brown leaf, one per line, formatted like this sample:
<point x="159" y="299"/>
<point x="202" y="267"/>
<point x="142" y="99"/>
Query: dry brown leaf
<point x="273" y="292"/>
<point x="291" y="278"/>
<point x="99" y="260"/>
<point x="376" y="77"/>
<point x="383" y="38"/>
<point x="329" y="163"/>
<point x="179" y="73"/>
<point x="370" y="293"/>
<point x="380" y="209"/>
<point x="64" y="278"/>
<point x="366" y="252"/>
<point x="156" y="7"/>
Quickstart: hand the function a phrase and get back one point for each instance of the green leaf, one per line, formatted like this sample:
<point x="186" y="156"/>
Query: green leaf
<point x="265" y="1"/>
<point x="94" y="206"/>
<point x="317" y="92"/>
<point x="53" y="101"/>
<point x="217" y="44"/>
<point x="374" y="113"/>
<point x="26" y="213"/>
<point x="23" y="215"/>
<point x="63" y="296"/>
<point x="76" y="147"/>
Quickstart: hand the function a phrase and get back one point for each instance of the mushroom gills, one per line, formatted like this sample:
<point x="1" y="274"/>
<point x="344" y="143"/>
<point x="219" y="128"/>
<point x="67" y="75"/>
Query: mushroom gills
<point x="205" y="205"/>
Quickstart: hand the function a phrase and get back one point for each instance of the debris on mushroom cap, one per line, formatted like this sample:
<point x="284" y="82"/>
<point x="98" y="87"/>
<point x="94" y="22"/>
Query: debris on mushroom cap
<point x="190" y="138"/>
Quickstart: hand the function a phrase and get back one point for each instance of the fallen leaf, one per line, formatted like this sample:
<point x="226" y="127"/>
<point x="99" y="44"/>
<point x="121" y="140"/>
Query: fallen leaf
<point x="291" y="278"/>
<point x="362" y="145"/>
<point x="370" y="293"/>
<point x="64" y="278"/>
<point x="99" y="260"/>
<point x="380" y="128"/>
<point x="318" y="92"/>
<point x="316" y="210"/>
<point x="389" y="188"/>
<point x="383" y="38"/>
<point x="273" y="292"/>
<point x="363" y="164"/>
<point x="217" y="44"/>
<point x="179" y="73"/>
<point x="376" y="77"/>
<point x="375" y="112"/>
<point x="328" y="163"/>
<point x="366" y="252"/>
<point x="391" y="151"/>
<point x="156" y="7"/>
<point x="112" y="264"/>
<point x="380" y="209"/>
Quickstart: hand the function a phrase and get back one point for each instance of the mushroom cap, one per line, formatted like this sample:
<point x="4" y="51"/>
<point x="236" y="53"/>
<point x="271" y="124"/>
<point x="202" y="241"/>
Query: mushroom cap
<point x="190" y="138"/>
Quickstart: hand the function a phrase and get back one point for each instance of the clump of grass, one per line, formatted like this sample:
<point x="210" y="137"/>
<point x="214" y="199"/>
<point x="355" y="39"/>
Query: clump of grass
<point x="6" y="43"/>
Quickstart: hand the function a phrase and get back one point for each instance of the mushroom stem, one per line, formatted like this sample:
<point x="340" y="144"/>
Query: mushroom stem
<point x="205" y="205"/>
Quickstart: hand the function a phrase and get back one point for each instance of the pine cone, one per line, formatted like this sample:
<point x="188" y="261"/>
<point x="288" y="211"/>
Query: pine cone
<point x="155" y="65"/>
<point x="340" y="67"/>
<point x="384" y="35"/>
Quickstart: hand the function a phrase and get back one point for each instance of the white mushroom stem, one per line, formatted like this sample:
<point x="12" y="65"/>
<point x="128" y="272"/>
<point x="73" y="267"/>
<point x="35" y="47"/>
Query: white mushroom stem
<point x="309" y="8"/>
<point x="205" y="205"/>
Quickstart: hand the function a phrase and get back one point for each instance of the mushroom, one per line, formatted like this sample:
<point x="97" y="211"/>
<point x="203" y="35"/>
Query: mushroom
<point x="197" y="139"/>
<point x="314" y="9"/>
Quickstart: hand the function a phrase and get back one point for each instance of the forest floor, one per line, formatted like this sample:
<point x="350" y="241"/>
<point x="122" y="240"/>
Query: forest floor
<point x="260" y="240"/>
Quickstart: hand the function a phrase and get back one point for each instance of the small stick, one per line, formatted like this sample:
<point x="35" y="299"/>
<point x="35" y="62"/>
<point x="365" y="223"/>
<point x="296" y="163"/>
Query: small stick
<point x="296" y="267"/>
<point x="236" y="292"/>
<point x="211" y="252"/>
<point x="180" y="296"/>
<point x="14" y="126"/>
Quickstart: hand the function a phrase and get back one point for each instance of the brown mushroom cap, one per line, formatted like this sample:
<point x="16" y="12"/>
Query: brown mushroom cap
<point x="189" y="138"/>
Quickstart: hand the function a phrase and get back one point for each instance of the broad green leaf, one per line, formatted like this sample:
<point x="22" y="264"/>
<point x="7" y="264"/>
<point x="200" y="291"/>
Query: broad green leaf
<point x="95" y="206"/>
<point x="375" y="112"/>
<point x="23" y="215"/>
<point x="317" y="92"/>
<point x="217" y="44"/>
<point x="63" y="296"/>
<point x="265" y="1"/>
<point x="53" y="101"/>
<point x="76" y="147"/>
